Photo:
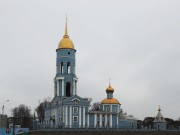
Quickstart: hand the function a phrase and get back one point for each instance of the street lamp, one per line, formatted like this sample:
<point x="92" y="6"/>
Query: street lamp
<point x="3" y="107"/>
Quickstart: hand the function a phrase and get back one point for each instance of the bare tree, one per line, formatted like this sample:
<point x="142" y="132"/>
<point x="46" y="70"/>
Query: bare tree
<point x="95" y="106"/>
<point x="23" y="116"/>
<point x="41" y="109"/>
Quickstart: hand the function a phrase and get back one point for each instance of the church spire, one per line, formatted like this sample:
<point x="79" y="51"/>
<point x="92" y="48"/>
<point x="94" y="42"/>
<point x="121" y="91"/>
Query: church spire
<point x="66" y="29"/>
<point x="66" y="32"/>
<point x="66" y="42"/>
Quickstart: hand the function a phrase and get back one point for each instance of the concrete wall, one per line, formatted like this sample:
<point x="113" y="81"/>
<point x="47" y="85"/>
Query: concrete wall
<point x="106" y="133"/>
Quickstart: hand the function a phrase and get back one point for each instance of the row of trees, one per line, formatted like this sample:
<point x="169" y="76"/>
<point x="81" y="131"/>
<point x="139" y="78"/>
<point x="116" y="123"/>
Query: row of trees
<point x="23" y="116"/>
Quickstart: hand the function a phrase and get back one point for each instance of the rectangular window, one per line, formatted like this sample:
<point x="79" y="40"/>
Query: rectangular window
<point x="75" y="110"/>
<point x="75" y="119"/>
<point x="114" y="109"/>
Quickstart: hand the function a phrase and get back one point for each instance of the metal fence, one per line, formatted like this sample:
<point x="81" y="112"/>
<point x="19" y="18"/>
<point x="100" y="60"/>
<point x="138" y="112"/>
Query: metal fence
<point x="45" y="127"/>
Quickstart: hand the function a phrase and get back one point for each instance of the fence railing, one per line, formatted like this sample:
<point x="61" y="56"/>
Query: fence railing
<point x="46" y="127"/>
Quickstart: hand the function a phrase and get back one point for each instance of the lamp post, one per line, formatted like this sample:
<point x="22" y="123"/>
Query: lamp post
<point x="3" y="106"/>
<point x="35" y="122"/>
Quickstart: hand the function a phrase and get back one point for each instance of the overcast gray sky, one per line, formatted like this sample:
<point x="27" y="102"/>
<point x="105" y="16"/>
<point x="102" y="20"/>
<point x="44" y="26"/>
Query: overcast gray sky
<point x="136" y="43"/>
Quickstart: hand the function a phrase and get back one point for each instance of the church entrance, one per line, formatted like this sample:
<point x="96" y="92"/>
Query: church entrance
<point x="68" y="89"/>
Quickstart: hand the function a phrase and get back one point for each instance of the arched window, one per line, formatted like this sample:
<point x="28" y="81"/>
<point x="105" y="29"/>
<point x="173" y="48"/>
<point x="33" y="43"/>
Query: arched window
<point x="74" y="68"/>
<point x="107" y="109"/>
<point x="68" y="89"/>
<point x="75" y="101"/>
<point x="60" y="119"/>
<point x="68" y="67"/>
<point x="61" y="69"/>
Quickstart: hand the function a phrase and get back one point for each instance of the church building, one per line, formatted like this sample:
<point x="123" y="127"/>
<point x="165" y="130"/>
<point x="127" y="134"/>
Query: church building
<point x="159" y="122"/>
<point x="69" y="110"/>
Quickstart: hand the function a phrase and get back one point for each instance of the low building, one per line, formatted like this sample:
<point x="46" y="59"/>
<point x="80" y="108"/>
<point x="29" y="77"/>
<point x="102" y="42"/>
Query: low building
<point x="3" y="121"/>
<point x="15" y="121"/>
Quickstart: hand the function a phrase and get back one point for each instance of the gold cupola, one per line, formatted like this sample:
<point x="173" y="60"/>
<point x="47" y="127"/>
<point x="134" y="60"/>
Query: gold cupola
<point x="66" y="42"/>
<point x="110" y="99"/>
<point x="110" y="89"/>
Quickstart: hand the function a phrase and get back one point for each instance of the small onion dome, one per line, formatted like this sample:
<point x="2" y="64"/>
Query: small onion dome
<point x="159" y="109"/>
<point x="110" y="101"/>
<point x="109" y="89"/>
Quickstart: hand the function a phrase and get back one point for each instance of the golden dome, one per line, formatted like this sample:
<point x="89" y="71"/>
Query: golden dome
<point x="110" y="101"/>
<point x="109" y="89"/>
<point x="66" y="42"/>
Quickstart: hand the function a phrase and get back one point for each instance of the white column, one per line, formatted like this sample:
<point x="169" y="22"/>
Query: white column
<point x="57" y="87"/>
<point x="110" y="108"/>
<point x="74" y="87"/>
<point x="79" y="116"/>
<point x="117" y="120"/>
<point x="95" y="119"/>
<point x="83" y="117"/>
<point x="70" y="117"/>
<point x="62" y="87"/>
<point x="66" y="117"/>
<point x="100" y="120"/>
<point x="103" y="107"/>
<point x="110" y="120"/>
<point x="88" y="120"/>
